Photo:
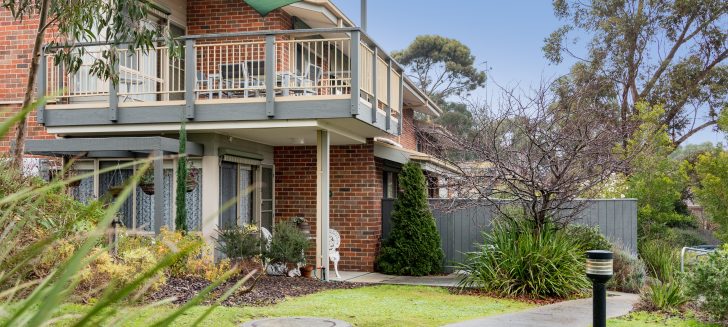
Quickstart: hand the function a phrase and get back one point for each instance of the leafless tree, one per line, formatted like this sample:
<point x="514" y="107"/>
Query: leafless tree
<point x="536" y="151"/>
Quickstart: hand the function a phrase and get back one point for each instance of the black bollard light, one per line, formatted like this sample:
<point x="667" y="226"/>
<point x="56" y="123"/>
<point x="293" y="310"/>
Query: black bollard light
<point x="599" y="269"/>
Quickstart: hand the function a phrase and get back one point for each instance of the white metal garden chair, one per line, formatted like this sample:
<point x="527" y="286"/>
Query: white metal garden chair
<point x="334" y="243"/>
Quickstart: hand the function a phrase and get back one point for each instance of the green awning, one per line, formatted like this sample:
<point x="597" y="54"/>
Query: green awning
<point x="263" y="7"/>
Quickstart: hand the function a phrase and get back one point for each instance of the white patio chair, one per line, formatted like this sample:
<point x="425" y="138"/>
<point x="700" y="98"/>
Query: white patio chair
<point x="334" y="243"/>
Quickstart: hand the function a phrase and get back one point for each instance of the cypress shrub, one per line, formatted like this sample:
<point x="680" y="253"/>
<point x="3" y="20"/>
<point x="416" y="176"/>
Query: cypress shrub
<point x="181" y="200"/>
<point x="413" y="246"/>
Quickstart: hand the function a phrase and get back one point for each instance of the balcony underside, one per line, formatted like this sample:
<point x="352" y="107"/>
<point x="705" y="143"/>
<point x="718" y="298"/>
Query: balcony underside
<point x="156" y="117"/>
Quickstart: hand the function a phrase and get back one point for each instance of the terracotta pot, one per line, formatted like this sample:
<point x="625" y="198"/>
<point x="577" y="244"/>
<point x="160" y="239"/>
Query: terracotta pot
<point x="190" y="183"/>
<point x="147" y="188"/>
<point x="74" y="183"/>
<point x="115" y="190"/>
<point x="307" y="271"/>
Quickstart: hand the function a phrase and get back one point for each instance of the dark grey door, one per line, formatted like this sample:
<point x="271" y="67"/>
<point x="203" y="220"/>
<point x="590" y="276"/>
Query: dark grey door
<point x="228" y="194"/>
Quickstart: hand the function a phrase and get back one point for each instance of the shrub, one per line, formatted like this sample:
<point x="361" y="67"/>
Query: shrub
<point x="709" y="281"/>
<point x="661" y="260"/>
<point x="629" y="272"/>
<point x="205" y="267"/>
<point x="588" y="237"/>
<point x="287" y="244"/>
<point x="239" y="243"/>
<point x="712" y="193"/>
<point x="172" y="241"/>
<point x="413" y="246"/>
<point x="667" y="296"/>
<point x="105" y="273"/>
<point x="518" y="261"/>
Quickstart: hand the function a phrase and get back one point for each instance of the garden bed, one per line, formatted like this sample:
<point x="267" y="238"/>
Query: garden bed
<point x="268" y="289"/>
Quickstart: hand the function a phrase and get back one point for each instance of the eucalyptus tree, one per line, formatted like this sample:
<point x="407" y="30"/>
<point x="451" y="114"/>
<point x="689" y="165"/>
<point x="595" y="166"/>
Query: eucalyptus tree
<point x="670" y="53"/>
<point x="63" y="24"/>
<point x="441" y="66"/>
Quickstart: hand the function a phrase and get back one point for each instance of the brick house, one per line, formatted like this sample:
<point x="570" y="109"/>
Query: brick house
<point x="297" y="113"/>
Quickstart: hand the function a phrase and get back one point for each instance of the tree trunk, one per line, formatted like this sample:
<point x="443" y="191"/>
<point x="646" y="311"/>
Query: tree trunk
<point x="28" y="97"/>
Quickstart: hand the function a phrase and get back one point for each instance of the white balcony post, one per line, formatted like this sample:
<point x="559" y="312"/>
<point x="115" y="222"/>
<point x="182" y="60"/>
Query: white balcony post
<point x="401" y="102"/>
<point x="113" y="89"/>
<point x="375" y="95"/>
<point x="388" y="108"/>
<point x="354" y="67"/>
<point x="158" y="190"/>
<point x="41" y="84"/>
<point x="322" y="204"/>
<point x="270" y="75"/>
<point x="190" y="79"/>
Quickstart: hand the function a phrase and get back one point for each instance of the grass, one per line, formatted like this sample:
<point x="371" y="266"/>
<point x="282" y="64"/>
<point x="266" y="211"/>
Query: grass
<point x="646" y="319"/>
<point x="388" y="305"/>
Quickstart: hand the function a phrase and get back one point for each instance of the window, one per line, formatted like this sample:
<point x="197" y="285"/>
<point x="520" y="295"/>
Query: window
<point x="137" y="212"/>
<point x="390" y="184"/>
<point x="246" y="194"/>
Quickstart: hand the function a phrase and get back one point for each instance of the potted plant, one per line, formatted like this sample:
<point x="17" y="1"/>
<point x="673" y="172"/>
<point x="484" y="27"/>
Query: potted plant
<point x="307" y="271"/>
<point x="302" y="225"/>
<point x="146" y="183"/>
<point x="191" y="180"/>
<point x="287" y="246"/>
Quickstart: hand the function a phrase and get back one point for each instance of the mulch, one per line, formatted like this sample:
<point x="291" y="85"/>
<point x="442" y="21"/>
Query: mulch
<point x="266" y="290"/>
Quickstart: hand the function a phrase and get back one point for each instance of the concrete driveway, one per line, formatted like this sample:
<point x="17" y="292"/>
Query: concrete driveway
<point x="575" y="313"/>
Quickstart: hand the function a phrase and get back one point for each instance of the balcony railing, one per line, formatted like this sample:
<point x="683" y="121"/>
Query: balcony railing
<point x="315" y="64"/>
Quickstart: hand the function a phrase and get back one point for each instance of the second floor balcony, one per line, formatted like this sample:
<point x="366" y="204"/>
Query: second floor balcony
<point x="296" y="74"/>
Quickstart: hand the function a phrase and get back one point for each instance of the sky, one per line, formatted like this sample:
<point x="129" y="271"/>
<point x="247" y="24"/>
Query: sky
<point x="508" y="35"/>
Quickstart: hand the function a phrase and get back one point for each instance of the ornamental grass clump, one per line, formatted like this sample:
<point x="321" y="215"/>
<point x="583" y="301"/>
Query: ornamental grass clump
<point x="518" y="260"/>
<point x="413" y="246"/>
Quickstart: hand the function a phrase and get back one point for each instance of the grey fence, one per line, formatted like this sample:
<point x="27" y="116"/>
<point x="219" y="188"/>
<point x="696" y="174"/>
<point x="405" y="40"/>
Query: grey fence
<point x="461" y="229"/>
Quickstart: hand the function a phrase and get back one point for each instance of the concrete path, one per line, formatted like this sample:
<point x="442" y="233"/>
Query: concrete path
<point x="576" y="313"/>
<point x="377" y="278"/>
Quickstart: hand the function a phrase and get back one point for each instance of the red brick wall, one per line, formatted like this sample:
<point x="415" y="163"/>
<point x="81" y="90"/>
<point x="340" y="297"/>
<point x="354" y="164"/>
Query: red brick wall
<point x="355" y="208"/>
<point x="408" y="137"/>
<point x="16" y="47"/>
<point x="225" y="16"/>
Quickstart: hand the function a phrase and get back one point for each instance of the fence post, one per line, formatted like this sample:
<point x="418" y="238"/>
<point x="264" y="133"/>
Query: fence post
<point x="355" y="60"/>
<point x="270" y="75"/>
<point x="190" y="78"/>
<point x="113" y="88"/>
<point x="41" y="84"/>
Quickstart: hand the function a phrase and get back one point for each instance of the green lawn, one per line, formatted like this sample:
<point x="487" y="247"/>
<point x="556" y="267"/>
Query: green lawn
<point x="644" y="319"/>
<point x="367" y="306"/>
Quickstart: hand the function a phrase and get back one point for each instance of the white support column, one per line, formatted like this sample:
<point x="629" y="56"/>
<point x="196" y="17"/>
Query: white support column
<point x="322" y="203"/>
<point x="210" y="199"/>
<point x="158" y="191"/>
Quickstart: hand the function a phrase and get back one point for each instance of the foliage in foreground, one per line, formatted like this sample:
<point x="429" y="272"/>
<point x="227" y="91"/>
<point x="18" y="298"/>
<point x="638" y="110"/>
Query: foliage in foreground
<point x="413" y="246"/>
<point x="517" y="260"/>
<point x="33" y="300"/>
<point x="709" y="281"/>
